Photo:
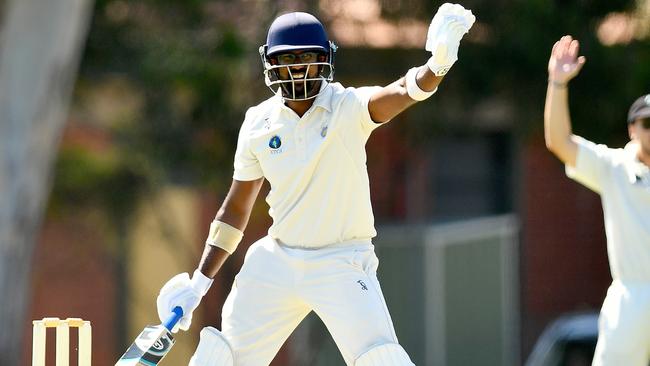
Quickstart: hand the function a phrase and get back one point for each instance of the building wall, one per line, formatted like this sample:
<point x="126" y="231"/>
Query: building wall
<point x="564" y="258"/>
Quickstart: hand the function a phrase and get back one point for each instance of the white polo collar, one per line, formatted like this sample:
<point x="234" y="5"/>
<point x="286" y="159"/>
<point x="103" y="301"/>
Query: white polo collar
<point x="637" y="170"/>
<point x="324" y="98"/>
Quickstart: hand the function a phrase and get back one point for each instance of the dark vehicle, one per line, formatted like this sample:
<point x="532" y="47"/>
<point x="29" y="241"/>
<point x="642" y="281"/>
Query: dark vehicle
<point x="568" y="341"/>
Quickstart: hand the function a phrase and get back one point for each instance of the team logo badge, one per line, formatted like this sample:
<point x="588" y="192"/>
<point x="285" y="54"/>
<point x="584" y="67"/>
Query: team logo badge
<point x="275" y="142"/>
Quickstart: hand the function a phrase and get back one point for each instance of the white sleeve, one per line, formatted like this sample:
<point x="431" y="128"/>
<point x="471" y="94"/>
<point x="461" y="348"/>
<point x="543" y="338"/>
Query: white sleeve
<point x="593" y="163"/>
<point x="247" y="167"/>
<point x="361" y="98"/>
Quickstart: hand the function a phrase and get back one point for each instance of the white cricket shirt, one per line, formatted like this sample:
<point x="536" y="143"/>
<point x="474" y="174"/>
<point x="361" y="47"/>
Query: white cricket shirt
<point x="316" y="165"/>
<point x="623" y="183"/>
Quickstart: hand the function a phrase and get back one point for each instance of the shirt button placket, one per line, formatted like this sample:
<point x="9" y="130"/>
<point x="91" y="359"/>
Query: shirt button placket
<point x="300" y="141"/>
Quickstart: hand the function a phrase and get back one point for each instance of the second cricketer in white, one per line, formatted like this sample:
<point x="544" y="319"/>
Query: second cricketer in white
<point x="308" y="141"/>
<point x="622" y="179"/>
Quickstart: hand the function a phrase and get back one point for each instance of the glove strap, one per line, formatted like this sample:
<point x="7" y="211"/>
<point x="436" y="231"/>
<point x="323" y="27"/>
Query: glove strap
<point x="412" y="87"/>
<point x="437" y="69"/>
<point x="200" y="282"/>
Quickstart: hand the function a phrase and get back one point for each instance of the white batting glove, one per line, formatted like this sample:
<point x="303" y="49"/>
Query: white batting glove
<point x="184" y="292"/>
<point x="447" y="28"/>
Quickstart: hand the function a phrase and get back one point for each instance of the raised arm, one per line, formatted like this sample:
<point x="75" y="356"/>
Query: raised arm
<point x="393" y="99"/>
<point x="447" y="28"/>
<point x="563" y="65"/>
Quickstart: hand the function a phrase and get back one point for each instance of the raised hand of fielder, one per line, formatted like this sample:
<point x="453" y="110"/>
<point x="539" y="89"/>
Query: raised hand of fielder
<point x="565" y="63"/>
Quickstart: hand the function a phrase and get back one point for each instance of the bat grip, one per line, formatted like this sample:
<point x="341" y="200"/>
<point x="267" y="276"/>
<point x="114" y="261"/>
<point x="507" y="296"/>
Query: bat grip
<point x="174" y="318"/>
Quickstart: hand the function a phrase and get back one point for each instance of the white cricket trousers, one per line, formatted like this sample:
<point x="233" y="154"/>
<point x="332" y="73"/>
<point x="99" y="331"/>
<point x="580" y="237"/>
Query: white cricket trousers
<point x="278" y="286"/>
<point x="624" y="326"/>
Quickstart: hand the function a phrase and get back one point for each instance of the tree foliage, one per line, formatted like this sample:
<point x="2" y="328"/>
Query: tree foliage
<point x="185" y="70"/>
<point x="192" y="65"/>
<point x="513" y="56"/>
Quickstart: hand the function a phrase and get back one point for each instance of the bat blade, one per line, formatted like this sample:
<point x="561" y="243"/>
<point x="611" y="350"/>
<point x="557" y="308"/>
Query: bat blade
<point x="151" y="346"/>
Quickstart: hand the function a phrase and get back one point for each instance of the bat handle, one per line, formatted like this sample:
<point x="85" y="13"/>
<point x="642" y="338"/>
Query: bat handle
<point x="174" y="318"/>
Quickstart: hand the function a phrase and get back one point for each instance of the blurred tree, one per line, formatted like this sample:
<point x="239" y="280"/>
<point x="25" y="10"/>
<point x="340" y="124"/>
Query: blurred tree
<point x="40" y="48"/>
<point x="159" y="81"/>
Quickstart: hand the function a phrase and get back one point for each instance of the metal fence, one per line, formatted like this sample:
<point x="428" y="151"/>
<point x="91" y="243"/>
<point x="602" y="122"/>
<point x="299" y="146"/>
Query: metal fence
<point x="452" y="290"/>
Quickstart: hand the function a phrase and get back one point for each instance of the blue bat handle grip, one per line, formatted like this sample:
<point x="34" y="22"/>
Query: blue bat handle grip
<point x="174" y="318"/>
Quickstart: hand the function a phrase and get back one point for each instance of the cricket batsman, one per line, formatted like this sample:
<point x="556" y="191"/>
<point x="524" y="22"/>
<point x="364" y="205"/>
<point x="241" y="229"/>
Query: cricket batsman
<point x="308" y="140"/>
<point x="622" y="179"/>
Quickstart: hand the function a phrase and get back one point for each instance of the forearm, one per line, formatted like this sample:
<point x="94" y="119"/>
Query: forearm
<point x="212" y="259"/>
<point x="213" y="256"/>
<point x="427" y="80"/>
<point x="222" y="241"/>
<point x="228" y="226"/>
<point x="557" y="122"/>
<point x="394" y="98"/>
<point x="226" y="232"/>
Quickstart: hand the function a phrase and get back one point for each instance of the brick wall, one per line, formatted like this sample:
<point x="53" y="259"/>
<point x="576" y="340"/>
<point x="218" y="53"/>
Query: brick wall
<point x="564" y="257"/>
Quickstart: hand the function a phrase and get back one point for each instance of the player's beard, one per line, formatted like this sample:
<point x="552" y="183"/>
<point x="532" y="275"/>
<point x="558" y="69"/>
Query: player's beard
<point x="311" y="85"/>
<point x="300" y="83"/>
<point x="312" y="88"/>
<point x="299" y="86"/>
<point x="296" y="89"/>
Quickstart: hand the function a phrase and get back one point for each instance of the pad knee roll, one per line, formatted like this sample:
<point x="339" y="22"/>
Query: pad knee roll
<point x="390" y="354"/>
<point x="213" y="349"/>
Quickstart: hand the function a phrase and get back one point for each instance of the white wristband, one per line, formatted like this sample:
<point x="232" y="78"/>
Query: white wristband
<point x="412" y="87"/>
<point x="201" y="282"/>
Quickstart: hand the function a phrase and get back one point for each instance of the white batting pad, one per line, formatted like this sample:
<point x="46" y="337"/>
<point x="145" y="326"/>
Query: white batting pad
<point x="390" y="354"/>
<point x="213" y="349"/>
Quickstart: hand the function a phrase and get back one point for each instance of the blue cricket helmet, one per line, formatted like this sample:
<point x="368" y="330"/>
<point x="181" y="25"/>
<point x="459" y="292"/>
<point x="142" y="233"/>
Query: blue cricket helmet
<point x="293" y="32"/>
<point x="296" y="31"/>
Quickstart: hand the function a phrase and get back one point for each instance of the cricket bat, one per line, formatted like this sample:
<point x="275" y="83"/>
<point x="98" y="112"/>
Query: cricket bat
<point x="152" y="344"/>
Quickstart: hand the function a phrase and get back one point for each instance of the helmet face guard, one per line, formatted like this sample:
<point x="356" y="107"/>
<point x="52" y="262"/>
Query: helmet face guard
<point x="299" y="87"/>
<point x="297" y="32"/>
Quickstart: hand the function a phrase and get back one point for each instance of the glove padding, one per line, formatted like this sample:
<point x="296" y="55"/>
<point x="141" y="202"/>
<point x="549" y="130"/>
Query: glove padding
<point x="447" y="28"/>
<point x="182" y="291"/>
